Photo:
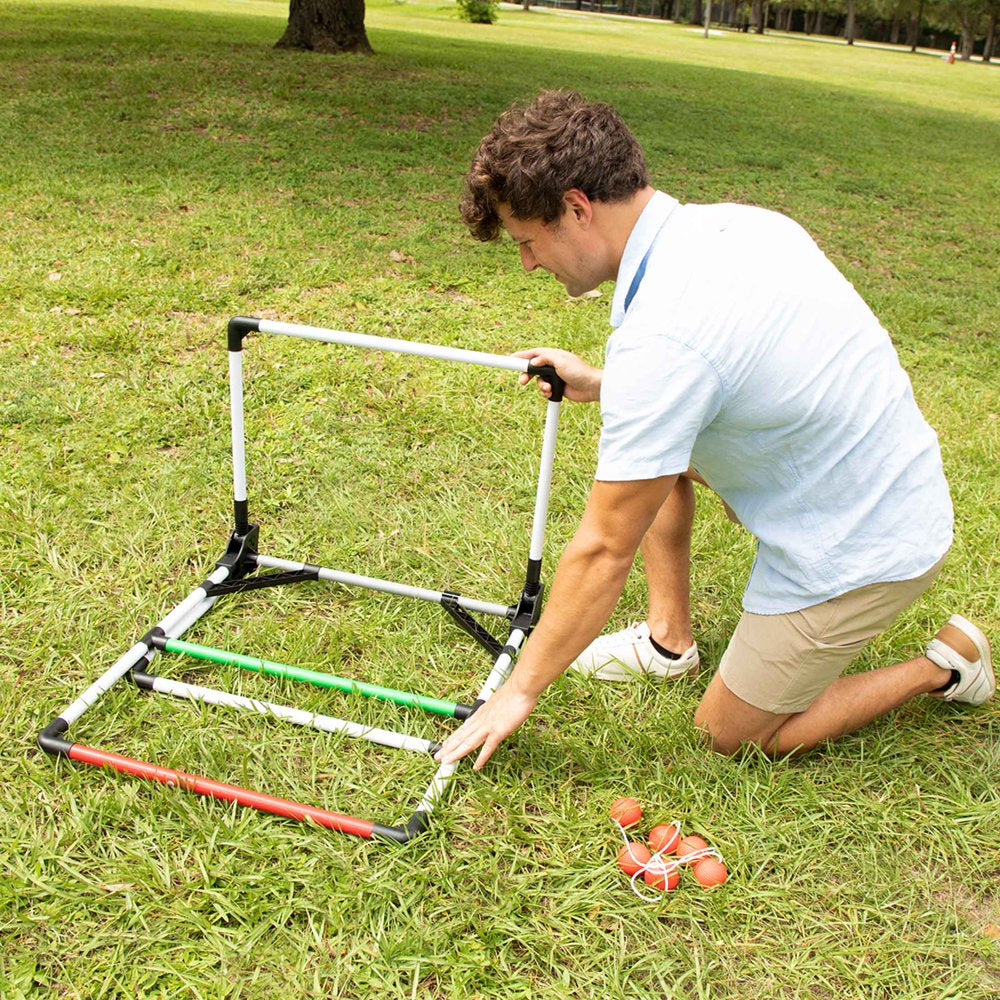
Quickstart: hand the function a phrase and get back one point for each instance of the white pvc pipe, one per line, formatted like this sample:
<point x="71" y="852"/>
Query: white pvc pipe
<point x="238" y="434"/>
<point x="385" y="586"/>
<point x="124" y="663"/>
<point x="325" y="723"/>
<point x="544" y="480"/>
<point x="441" y="780"/>
<point x="396" y="346"/>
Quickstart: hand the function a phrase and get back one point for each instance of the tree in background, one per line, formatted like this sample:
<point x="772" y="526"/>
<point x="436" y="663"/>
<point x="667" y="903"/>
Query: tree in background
<point x="993" y="15"/>
<point x="849" y="28"/>
<point x="326" y="26"/>
<point x="911" y="22"/>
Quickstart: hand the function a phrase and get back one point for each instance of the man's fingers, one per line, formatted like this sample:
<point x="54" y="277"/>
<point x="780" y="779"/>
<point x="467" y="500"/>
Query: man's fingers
<point x="464" y="740"/>
<point x="484" y="755"/>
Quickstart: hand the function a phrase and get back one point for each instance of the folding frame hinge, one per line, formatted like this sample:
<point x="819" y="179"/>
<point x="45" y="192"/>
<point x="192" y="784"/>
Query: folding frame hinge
<point x="449" y="601"/>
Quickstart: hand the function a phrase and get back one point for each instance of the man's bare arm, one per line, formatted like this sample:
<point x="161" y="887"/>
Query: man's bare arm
<point x="587" y="585"/>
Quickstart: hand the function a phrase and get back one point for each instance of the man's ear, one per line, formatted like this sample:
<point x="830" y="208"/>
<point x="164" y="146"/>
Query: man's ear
<point x="577" y="207"/>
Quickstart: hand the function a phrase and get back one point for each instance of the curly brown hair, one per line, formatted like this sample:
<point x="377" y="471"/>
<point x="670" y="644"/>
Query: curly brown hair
<point x="533" y="155"/>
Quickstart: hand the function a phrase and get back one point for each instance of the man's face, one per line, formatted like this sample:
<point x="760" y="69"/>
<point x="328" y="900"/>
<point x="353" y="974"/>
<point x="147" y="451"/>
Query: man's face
<point x="563" y="248"/>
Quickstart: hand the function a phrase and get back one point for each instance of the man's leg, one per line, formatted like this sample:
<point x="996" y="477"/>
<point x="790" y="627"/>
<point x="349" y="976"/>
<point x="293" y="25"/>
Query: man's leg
<point x="779" y="684"/>
<point x="846" y="706"/>
<point x="666" y="554"/>
<point x="631" y="652"/>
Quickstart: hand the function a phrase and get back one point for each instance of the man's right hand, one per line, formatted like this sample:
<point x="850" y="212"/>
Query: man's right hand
<point x="583" y="381"/>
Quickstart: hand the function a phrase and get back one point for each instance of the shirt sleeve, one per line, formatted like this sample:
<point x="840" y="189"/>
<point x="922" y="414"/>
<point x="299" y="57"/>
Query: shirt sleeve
<point x="656" y="396"/>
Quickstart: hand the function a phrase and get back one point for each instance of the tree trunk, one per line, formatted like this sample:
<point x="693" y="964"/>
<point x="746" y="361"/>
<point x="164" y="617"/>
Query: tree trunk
<point x="675" y="14"/>
<point x="326" y="26"/>
<point x="818" y="26"/>
<point x="913" y="32"/>
<point x="526" y="4"/>
<point x="968" y="41"/>
<point x="757" y="16"/>
<point x="894" y="32"/>
<point x="633" y="9"/>
<point x="991" y="39"/>
<point x="849" y="29"/>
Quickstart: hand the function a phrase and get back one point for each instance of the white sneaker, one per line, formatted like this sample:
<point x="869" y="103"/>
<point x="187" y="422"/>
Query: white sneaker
<point x="976" y="681"/>
<point x="628" y="655"/>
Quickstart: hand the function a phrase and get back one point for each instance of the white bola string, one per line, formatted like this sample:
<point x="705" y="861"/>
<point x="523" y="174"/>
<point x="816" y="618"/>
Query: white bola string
<point x="658" y="866"/>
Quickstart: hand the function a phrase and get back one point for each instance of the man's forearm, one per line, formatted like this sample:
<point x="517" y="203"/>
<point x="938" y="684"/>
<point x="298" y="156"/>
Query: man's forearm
<point x="587" y="585"/>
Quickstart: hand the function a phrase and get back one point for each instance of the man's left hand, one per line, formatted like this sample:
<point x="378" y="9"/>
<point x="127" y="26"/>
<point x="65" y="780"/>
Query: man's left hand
<point x="492" y="723"/>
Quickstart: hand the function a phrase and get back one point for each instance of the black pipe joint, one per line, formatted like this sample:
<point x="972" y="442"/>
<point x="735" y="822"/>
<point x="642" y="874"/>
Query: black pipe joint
<point x="550" y="375"/>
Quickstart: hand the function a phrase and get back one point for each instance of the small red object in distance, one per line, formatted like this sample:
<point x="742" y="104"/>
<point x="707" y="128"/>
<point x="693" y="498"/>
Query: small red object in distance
<point x="665" y="838"/>
<point x="658" y="877"/>
<point x="710" y="872"/>
<point x="626" y="812"/>
<point x="633" y="857"/>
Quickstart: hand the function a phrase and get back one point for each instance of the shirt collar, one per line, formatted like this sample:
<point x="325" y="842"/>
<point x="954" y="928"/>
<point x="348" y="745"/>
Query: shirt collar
<point x="658" y="209"/>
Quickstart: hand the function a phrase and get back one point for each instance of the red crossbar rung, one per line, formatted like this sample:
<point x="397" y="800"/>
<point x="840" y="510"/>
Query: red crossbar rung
<point x="219" y="790"/>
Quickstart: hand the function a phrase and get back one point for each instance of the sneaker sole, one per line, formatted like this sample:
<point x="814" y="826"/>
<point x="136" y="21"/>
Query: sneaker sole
<point x="620" y="674"/>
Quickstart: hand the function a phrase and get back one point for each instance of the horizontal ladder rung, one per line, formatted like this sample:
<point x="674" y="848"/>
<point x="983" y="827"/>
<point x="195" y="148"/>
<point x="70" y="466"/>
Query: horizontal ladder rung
<point x="301" y="717"/>
<point x="273" y="669"/>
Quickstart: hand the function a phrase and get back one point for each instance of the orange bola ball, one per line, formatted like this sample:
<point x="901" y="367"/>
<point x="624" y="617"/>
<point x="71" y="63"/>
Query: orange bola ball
<point x="689" y="845"/>
<point x="633" y="857"/>
<point x="664" y="838"/>
<point x="658" y="876"/>
<point x="710" y="872"/>
<point x="627" y="812"/>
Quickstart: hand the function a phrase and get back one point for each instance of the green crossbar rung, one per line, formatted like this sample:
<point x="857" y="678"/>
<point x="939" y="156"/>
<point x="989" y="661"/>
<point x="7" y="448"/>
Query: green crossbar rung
<point x="274" y="669"/>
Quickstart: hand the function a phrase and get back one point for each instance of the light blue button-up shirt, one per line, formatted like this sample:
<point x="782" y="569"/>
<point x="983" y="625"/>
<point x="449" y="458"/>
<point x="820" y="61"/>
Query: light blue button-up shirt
<point x="746" y="354"/>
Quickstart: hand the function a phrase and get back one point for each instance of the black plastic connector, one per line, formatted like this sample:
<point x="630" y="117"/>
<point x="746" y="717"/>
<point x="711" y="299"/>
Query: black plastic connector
<point x="239" y="327"/>
<point x="143" y="680"/>
<point x="49" y="741"/>
<point x="551" y="376"/>
<point x="240" y="552"/>
<point x="465" y="621"/>
<point x="417" y="824"/>
<point x="261" y="582"/>
<point x="529" y="608"/>
<point x="155" y="638"/>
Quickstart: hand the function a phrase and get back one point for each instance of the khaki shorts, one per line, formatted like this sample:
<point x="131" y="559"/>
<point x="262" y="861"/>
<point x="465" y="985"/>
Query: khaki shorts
<point x="783" y="663"/>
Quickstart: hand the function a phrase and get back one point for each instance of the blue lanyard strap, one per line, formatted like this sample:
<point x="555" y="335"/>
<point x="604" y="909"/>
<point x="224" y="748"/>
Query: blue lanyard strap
<point x="637" y="280"/>
<point x="641" y="269"/>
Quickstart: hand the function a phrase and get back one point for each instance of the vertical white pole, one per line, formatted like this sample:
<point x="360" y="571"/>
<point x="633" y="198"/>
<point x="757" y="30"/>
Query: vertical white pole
<point x="708" y="15"/>
<point x="544" y="480"/>
<point x="236" y="414"/>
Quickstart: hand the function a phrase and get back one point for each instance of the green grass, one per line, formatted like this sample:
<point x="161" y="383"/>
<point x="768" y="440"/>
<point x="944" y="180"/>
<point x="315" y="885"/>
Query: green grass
<point x="161" y="169"/>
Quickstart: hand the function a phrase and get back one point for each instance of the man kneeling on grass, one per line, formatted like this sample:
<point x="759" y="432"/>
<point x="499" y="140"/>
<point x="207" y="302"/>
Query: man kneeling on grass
<point x="774" y="385"/>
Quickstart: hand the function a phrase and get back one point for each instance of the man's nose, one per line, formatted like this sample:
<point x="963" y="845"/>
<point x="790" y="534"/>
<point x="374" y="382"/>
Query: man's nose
<point x="528" y="261"/>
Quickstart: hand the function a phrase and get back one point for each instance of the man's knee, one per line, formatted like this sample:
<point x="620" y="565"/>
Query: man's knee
<point x="730" y="725"/>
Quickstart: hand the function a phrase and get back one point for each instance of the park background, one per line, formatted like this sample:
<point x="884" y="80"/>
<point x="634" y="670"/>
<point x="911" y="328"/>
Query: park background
<point x="162" y="168"/>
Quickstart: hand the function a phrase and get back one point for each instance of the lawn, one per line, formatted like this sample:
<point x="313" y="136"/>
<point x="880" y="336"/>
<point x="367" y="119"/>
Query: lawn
<point x="162" y="168"/>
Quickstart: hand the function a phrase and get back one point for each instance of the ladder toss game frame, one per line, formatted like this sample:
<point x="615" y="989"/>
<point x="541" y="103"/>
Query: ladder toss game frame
<point x="236" y="572"/>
